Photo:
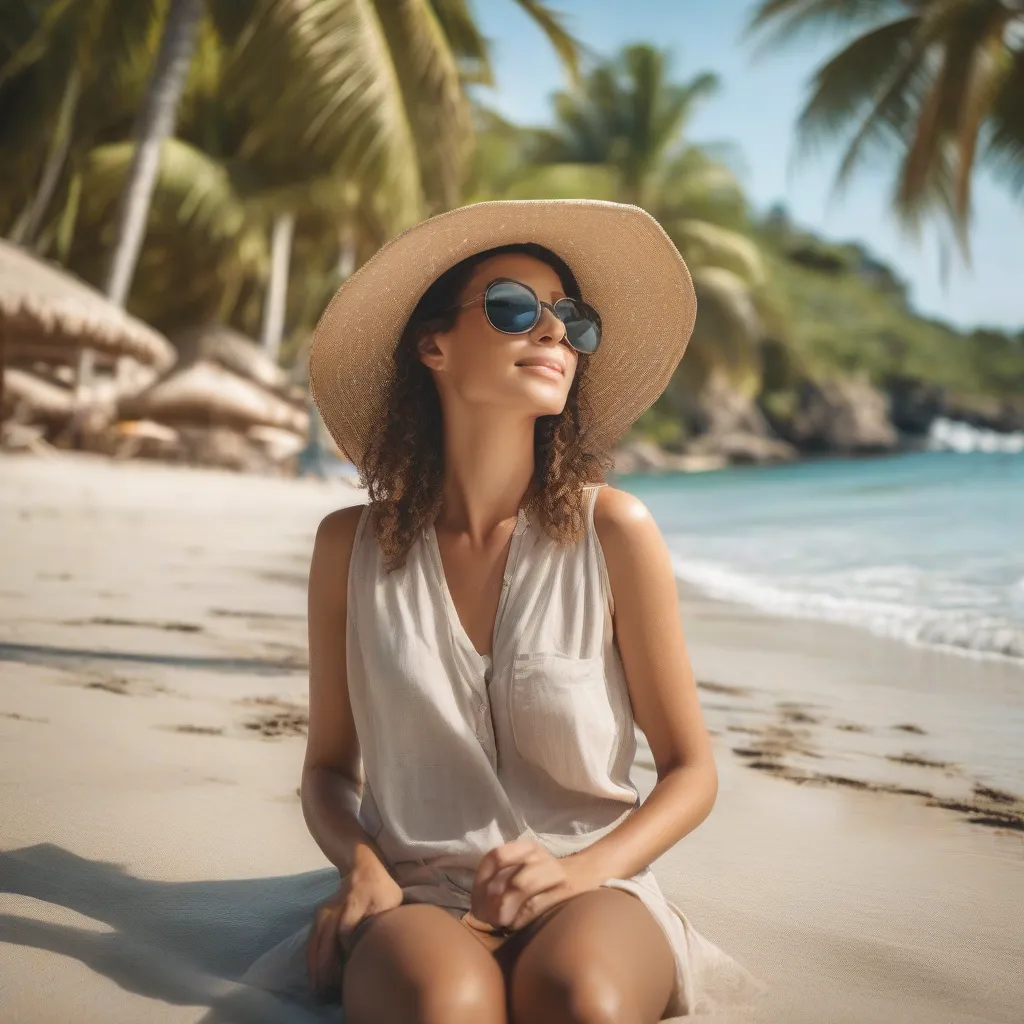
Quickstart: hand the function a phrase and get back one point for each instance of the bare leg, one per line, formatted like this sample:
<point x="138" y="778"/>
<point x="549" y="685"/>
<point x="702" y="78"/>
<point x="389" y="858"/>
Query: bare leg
<point x="416" y="964"/>
<point x="602" y="958"/>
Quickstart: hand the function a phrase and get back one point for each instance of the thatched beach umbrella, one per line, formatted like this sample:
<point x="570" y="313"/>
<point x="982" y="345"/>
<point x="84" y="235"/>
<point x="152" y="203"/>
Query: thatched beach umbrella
<point x="234" y="351"/>
<point x="207" y="394"/>
<point x="33" y="398"/>
<point x="47" y="315"/>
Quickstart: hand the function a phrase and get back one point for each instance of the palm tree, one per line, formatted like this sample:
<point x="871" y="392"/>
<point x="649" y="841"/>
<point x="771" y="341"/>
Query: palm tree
<point x="939" y="81"/>
<point x="365" y="93"/>
<point x="66" y="70"/>
<point x="621" y="136"/>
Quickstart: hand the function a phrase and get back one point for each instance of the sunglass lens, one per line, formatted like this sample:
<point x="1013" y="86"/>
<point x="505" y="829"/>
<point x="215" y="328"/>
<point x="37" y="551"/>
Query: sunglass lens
<point x="511" y="307"/>
<point x="582" y="324"/>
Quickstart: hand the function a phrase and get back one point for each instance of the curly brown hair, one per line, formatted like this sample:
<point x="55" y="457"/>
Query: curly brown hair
<point x="403" y="467"/>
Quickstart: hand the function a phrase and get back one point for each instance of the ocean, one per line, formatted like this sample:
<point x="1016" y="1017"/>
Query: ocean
<point x="926" y="548"/>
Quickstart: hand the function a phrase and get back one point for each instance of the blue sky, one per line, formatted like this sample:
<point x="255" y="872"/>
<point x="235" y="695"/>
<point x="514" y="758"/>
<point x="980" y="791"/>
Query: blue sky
<point x="756" y="109"/>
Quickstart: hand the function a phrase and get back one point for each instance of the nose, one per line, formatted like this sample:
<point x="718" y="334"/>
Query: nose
<point x="548" y="327"/>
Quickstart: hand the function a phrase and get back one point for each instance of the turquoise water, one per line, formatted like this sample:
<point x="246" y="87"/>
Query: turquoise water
<point x="926" y="548"/>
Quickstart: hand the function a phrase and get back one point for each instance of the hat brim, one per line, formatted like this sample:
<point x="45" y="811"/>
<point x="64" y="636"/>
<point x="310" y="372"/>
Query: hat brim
<point x="625" y="264"/>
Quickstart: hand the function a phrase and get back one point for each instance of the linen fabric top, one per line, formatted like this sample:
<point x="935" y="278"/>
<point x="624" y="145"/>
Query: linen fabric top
<point x="463" y="752"/>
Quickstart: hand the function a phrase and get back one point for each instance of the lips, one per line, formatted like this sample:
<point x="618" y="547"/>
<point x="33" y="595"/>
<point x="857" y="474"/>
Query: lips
<point x="551" y="364"/>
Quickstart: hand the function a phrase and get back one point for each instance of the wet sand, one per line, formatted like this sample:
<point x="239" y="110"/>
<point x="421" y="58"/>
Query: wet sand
<point x="865" y="857"/>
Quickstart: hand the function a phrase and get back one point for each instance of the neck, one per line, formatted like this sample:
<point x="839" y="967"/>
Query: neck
<point x="489" y="466"/>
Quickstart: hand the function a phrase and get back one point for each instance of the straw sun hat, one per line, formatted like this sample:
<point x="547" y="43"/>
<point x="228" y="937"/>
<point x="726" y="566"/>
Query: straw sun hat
<point x="624" y="262"/>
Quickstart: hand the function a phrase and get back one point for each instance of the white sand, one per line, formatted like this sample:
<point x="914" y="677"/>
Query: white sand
<point x="144" y="868"/>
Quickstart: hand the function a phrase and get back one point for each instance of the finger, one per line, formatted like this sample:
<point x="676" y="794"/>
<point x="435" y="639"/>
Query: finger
<point x="502" y="857"/>
<point x="348" y="918"/>
<point x="527" y="883"/>
<point x="485" y="899"/>
<point x="536" y="905"/>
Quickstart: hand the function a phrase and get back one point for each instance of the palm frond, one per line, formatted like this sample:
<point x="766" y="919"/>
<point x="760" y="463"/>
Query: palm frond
<point x="430" y="84"/>
<point x="199" y="191"/>
<point x="335" y="100"/>
<point x="891" y="114"/>
<point x="728" y="326"/>
<point x="467" y="42"/>
<point x="565" y="181"/>
<point x="855" y="79"/>
<point x="28" y="33"/>
<point x="551" y="24"/>
<point x="711" y="245"/>
<point x="988" y="79"/>
<point x="787" y="21"/>
<point x="1004" y="149"/>
<point x="934" y="162"/>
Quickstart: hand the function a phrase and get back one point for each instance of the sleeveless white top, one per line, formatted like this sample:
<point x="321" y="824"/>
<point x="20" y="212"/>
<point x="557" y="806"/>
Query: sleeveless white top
<point x="463" y="752"/>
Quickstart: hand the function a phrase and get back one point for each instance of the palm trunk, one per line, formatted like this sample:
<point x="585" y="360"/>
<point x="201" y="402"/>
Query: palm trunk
<point x="277" y="289"/>
<point x="27" y="225"/>
<point x="347" y="253"/>
<point x="154" y="123"/>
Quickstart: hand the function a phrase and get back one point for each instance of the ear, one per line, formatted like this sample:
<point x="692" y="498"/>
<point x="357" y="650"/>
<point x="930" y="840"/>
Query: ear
<point x="429" y="352"/>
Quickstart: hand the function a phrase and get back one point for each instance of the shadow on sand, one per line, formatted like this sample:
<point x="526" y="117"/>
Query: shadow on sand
<point x="234" y="946"/>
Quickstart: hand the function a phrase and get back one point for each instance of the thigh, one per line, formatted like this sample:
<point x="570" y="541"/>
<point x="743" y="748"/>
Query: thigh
<point x="602" y="957"/>
<point x="416" y="964"/>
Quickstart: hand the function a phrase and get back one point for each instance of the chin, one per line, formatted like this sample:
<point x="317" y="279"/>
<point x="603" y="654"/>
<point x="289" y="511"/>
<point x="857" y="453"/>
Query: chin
<point x="548" y="395"/>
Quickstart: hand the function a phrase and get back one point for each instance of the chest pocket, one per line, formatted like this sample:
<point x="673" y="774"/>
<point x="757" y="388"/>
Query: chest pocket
<point x="563" y="720"/>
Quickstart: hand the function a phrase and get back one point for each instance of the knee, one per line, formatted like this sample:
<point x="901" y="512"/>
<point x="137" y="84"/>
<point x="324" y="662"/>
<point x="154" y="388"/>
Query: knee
<point x="584" y="997"/>
<point x="469" y="998"/>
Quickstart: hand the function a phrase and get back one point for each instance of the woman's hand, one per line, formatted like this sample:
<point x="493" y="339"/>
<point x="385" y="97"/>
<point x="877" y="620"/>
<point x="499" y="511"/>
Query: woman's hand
<point x="517" y="882"/>
<point x="366" y="890"/>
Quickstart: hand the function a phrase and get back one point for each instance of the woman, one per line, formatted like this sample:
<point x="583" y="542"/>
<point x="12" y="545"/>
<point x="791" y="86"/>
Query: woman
<point x="487" y="629"/>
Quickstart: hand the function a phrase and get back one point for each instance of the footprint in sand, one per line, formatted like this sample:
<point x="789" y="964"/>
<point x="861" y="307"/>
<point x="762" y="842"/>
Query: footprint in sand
<point x="910" y="727"/>
<point x="108" y="620"/>
<point x="999" y="795"/>
<point x="236" y="613"/>
<point x="732" y="691"/>
<point x="282" y="718"/>
<point x="917" y="759"/>
<point x="22" y="718"/>
<point x="114" y="684"/>
<point x="280" y="723"/>
<point x="196" y="730"/>
<point x="791" y="715"/>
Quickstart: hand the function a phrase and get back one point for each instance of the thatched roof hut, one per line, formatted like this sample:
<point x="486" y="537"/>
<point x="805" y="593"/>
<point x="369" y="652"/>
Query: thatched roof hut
<point x="47" y="315"/>
<point x="207" y="394"/>
<point x="234" y="351"/>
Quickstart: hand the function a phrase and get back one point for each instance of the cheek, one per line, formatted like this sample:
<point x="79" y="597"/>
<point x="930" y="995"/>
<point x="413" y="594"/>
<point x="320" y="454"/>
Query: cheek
<point x="480" y="366"/>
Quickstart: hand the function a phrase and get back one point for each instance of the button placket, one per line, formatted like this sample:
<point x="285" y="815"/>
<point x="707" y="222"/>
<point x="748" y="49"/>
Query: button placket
<point x="488" y="734"/>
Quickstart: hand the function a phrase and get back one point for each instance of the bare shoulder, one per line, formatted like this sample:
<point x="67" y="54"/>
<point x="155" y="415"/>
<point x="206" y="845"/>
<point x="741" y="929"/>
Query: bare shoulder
<point x="634" y="550"/>
<point x="340" y="525"/>
<point x="621" y="519"/>
<point x="332" y="550"/>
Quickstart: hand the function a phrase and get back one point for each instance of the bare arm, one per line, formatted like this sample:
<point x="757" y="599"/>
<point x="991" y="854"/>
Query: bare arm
<point x="331" y="783"/>
<point x="662" y="690"/>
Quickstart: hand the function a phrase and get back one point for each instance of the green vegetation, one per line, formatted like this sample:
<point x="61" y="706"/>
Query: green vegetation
<point x="940" y="83"/>
<point x="839" y="312"/>
<point x="306" y="135"/>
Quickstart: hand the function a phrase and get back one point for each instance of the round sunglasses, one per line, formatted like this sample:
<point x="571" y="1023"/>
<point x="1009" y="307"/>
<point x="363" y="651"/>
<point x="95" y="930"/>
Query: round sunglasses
<point x="514" y="308"/>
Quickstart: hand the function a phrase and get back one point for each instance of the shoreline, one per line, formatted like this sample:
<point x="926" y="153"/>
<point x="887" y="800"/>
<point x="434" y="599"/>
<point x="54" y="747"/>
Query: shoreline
<point x="812" y="618"/>
<point x="938" y="728"/>
<point x="152" y="723"/>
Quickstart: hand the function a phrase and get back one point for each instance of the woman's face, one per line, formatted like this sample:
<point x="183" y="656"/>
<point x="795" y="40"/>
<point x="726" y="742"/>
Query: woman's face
<point x="484" y="366"/>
